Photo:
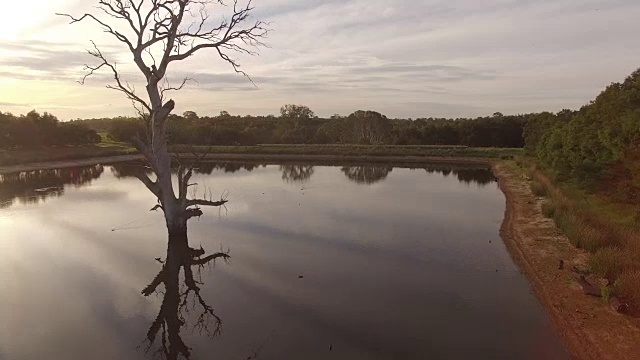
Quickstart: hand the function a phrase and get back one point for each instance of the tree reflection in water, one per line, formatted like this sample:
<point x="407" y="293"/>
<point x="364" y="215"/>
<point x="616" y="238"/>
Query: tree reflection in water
<point x="366" y="174"/>
<point x="181" y="300"/>
<point x="296" y="173"/>
<point x="126" y="170"/>
<point x="180" y="278"/>
<point x="34" y="186"/>
<point x="466" y="174"/>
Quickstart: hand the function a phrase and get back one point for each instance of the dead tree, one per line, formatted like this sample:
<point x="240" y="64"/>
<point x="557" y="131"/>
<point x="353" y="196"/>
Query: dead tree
<point x="159" y="33"/>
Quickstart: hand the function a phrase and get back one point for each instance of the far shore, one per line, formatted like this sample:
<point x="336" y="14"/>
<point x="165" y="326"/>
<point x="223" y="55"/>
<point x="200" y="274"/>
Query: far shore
<point x="38" y="159"/>
<point x="261" y="158"/>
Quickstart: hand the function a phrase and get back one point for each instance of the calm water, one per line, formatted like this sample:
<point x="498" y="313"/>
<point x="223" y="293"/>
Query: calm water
<point x="326" y="262"/>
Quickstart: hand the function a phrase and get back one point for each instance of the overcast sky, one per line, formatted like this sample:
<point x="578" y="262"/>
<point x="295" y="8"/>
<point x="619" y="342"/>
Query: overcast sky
<point x="403" y="58"/>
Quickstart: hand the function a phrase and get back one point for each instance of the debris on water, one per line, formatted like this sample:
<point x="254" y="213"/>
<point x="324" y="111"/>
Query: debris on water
<point x="48" y="189"/>
<point x="330" y="347"/>
<point x="301" y="276"/>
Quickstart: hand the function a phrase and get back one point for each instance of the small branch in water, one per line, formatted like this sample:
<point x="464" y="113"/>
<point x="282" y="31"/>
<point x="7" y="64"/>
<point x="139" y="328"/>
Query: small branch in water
<point x="159" y="279"/>
<point x="203" y="202"/>
<point x="213" y="257"/>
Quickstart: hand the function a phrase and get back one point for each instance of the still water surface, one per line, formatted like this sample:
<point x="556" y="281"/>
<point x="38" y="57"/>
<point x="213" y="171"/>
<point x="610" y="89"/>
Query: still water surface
<point x="360" y="262"/>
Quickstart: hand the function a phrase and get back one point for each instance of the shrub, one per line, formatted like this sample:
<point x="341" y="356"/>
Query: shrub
<point x="606" y="262"/>
<point x="589" y="238"/>
<point x="628" y="286"/>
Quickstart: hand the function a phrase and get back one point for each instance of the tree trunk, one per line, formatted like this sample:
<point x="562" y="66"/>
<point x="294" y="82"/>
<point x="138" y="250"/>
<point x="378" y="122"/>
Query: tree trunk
<point x="158" y="156"/>
<point x="177" y="249"/>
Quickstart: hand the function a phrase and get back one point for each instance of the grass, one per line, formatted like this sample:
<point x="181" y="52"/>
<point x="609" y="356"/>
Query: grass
<point x="360" y="150"/>
<point x="15" y="157"/>
<point x="538" y="189"/>
<point x="606" y="262"/>
<point x="597" y="223"/>
<point x="110" y="148"/>
<point x="605" y="293"/>
<point x="548" y="209"/>
<point x="106" y="147"/>
<point x="629" y="284"/>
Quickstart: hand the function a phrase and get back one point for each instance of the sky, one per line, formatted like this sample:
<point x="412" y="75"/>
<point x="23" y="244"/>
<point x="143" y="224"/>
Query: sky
<point x="403" y="58"/>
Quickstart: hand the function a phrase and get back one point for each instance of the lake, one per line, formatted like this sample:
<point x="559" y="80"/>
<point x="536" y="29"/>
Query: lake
<point x="327" y="262"/>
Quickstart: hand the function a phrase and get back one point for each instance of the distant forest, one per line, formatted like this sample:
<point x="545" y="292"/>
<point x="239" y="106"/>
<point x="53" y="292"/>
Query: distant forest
<point x="33" y="131"/>
<point x="297" y="124"/>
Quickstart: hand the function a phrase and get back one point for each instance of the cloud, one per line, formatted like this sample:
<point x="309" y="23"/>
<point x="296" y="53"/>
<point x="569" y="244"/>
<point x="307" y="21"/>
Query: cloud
<point x="42" y="60"/>
<point x="10" y="104"/>
<point x="404" y="58"/>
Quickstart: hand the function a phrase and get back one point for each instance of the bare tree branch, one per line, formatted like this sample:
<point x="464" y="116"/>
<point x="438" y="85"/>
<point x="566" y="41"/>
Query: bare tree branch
<point x="128" y="90"/>
<point x="106" y="28"/>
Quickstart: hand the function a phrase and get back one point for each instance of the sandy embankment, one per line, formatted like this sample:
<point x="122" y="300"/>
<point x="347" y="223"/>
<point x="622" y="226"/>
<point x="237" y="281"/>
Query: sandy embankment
<point x="590" y="328"/>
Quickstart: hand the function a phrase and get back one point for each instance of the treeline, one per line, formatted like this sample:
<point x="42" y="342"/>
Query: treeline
<point x="596" y="146"/>
<point x="297" y="124"/>
<point x="37" y="131"/>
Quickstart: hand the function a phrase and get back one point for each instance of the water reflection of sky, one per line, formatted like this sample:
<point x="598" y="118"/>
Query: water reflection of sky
<point x="397" y="263"/>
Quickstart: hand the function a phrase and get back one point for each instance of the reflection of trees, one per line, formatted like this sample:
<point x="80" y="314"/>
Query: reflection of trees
<point x="133" y="169"/>
<point x="126" y="170"/>
<point x="208" y="168"/>
<point x="367" y="174"/>
<point x="479" y="175"/>
<point x="296" y="173"/>
<point x="180" y="302"/>
<point x="34" y="186"/>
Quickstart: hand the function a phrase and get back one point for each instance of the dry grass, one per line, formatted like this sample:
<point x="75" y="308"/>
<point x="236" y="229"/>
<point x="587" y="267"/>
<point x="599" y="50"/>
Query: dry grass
<point x="607" y="263"/>
<point x="628" y="285"/>
<point x="538" y="189"/>
<point x="548" y="209"/>
<point x="110" y="148"/>
<point x="16" y="157"/>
